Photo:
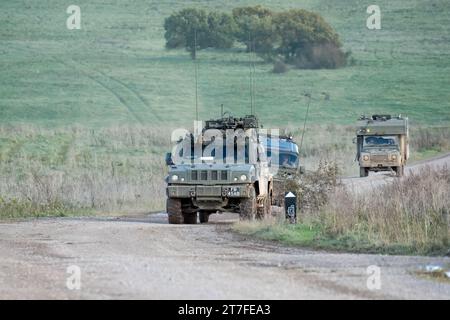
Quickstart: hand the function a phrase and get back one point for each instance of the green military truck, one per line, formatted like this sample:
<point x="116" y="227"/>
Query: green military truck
<point x="382" y="144"/>
<point x="203" y="185"/>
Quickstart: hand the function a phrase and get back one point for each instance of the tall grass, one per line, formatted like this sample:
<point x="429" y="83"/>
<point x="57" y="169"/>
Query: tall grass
<point x="434" y="138"/>
<point x="408" y="216"/>
<point x="108" y="170"/>
<point x="412" y="212"/>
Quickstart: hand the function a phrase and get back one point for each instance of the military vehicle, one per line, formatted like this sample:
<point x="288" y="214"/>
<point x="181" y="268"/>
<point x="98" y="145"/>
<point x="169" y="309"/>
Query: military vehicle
<point x="235" y="179"/>
<point x="288" y="165"/>
<point x="382" y="144"/>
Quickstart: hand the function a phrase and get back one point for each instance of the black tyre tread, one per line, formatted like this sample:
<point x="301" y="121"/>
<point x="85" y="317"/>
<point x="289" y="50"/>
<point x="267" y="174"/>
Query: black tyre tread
<point x="400" y="171"/>
<point x="247" y="207"/>
<point x="363" y="172"/>
<point x="173" y="208"/>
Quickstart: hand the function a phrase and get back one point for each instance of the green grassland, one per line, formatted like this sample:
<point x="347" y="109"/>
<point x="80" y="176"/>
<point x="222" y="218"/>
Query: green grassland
<point x="314" y="237"/>
<point x="85" y="115"/>
<point x="116" y="69"/>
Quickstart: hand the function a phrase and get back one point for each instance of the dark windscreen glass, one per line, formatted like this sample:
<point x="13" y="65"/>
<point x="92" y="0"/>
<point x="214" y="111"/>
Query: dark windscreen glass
<point x="380" y="141"/>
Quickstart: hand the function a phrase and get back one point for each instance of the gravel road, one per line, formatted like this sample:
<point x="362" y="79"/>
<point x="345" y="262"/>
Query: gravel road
<point x="142" y="257"/>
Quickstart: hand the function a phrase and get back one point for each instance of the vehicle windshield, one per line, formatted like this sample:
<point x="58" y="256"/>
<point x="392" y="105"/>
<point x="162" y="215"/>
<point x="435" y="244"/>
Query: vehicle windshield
<point x="288" y="160"/>
<point x="380" y="141"/>
<point x="240" y="156"/>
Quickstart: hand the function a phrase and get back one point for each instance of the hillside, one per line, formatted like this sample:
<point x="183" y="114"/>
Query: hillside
<point x="115" y="70"/>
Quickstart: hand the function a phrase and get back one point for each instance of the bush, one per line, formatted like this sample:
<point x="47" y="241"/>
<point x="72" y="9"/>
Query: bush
<point x="279" y="67"/>
<point x="320" y="56"/>
<point x="314" y="188"/>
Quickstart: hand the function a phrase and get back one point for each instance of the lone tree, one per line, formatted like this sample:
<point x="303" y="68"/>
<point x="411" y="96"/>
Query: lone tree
<point x="295" y="36"/>
<point x="195" y="29"/>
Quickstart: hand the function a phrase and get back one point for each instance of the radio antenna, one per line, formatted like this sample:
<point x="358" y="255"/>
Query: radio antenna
<point x="251" y="71"/>
<point x="254" y="78"/>
<point x="308" y="95"/>
<point x="196" y="74"/>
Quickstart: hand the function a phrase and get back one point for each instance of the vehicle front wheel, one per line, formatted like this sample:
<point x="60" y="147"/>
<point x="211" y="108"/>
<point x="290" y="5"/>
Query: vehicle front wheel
<point x="173" y="208"/>
<point x="400" y="171"/>
<point x="247" y="207"/>
<point x="363" y="172"/>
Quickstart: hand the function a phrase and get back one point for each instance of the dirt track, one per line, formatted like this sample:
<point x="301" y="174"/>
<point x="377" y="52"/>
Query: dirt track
<point x="143" y="257"/>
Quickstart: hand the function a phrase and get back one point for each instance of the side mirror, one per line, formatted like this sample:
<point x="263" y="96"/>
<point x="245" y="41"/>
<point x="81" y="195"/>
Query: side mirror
<point x="302" y="170"/>
<point x="354" y="140"/>
<point x="169" y="160"/>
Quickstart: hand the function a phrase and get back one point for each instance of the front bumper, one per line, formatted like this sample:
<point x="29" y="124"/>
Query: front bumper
<point x="380" y="164"/>
<point x="199" y="192"/>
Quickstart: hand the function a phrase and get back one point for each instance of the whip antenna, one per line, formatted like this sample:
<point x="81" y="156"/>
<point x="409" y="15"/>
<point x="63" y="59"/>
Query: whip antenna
<point x="254" y="79"/>
<point x="251" y="71"/>
<point x="196" y="74"/>
<point x="308" y="95"/>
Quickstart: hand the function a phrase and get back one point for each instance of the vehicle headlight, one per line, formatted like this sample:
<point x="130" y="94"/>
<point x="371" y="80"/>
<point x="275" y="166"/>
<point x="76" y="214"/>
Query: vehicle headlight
<point x="366" y="157"/>
<point x="394" y="157"/>
<point x="174" y="177"/>
<point x="243" y="177"/>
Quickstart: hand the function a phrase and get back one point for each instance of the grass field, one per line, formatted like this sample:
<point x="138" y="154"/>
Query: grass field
<point x="115" y="69"/>
<point x="87" y="112"/>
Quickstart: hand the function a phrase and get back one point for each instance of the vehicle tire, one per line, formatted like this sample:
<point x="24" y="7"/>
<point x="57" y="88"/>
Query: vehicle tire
<point x="363" y="172"/>
<point x="400" y="171"/>
<point x="203" y="216"/>
<point x="173" y="208"/>
<point x="190" y="218"/>
<point x="247" y="207"/>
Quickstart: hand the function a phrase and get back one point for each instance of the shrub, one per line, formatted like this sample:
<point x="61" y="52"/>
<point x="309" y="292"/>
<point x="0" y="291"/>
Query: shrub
<point x="279" y="67"/>
<point x="314" y="188"/>
<point x="320" y="56"/>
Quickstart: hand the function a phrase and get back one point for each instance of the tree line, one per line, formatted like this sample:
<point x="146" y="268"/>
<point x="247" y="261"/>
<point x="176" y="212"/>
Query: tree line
<point x="296" y="36"/>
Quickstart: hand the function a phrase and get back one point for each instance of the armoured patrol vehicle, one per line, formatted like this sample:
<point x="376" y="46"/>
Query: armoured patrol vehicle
<point x="228" y="174"/>
<point x="382" y="144"/>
